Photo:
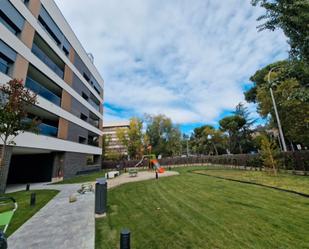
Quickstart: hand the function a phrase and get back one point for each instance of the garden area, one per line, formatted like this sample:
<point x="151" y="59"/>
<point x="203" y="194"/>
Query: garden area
<point x="24" y="210"/>
<point x="193" y="210"/>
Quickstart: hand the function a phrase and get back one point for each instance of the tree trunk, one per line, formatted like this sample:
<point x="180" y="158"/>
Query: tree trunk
<point x="215" y="147"/>
<point x="4" y="167"/>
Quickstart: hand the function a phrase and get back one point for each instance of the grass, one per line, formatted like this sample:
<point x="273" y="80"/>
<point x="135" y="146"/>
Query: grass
<point x="195" y="211"/>
<point x="24" y="211"/>
<point x="282" y="180"/>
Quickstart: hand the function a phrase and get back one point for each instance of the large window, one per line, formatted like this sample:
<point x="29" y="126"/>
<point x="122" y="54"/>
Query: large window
<point x="7" y="58"/>
<point x="4" y="65"/>
<point x="11" y="18"/>
<point x="53" y="30"/>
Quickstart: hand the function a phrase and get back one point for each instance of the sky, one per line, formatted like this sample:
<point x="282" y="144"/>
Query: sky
<point x="190" y="60"/>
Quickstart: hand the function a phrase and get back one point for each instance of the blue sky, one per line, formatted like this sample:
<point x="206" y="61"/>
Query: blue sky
<point x="190" y="60"/>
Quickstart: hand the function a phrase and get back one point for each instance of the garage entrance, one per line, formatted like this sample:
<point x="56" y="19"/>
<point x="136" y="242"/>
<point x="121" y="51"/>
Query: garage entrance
<point x="29" y="168"/>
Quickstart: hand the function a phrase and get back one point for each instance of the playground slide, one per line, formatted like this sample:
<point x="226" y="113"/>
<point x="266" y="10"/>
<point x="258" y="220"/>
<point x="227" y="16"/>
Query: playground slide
<point x="157" y="166"/>
<point x="140" y="162"/>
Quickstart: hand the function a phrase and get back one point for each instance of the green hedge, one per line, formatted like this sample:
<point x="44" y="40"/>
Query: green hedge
<point x="289" y="160"/>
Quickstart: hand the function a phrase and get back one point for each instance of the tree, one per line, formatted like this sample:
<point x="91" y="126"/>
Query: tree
<point x="163" y="135"/>
<point x="15" y="99"/>
<point x="232" y="125"/>
<point x="292" y="16"/>
<point x="245" y="134"/>
<point x="292" y="99"/>
<point x="269" y="153"/>
<point x="105" y="143"/>
<point x="208" y="140"/>
<point x="133" y="138"/>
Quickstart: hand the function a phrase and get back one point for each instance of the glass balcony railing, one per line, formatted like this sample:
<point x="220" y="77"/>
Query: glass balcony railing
<point x="93" y="122"/>
<point x="44" y="129"/>
<point x="93" y="142"/>
<point x="43" y="57"/>
<point x="42" y="91"/>
<point x="48" y="130"/>
<point x="4" y="68"/>
<point x="95" y="105"/>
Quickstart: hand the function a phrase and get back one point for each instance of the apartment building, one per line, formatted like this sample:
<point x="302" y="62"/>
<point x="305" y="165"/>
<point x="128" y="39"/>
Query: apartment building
<point x="114" y="146"/>
<point x="38" y="46"/>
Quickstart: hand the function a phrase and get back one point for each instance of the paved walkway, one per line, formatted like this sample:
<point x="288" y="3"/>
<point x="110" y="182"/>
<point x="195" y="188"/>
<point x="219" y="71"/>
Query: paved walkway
<point x="59" y="224"/>
<point x="64" y="225"/>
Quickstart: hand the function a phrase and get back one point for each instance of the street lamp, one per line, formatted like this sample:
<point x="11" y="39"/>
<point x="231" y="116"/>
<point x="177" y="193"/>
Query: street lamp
<point x="276" y="111"/>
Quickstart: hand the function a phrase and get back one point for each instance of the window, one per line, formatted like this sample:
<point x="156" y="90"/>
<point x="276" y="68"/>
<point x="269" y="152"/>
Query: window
<point x="49" y="31"/>
<point x="85" y="96"/>
<point x="4" y="65"/>
<point x="82" y="140"/>
<point x="53" y="30"/>
<point x="86" y="77"/>
<point x="83" y="117"/>
<point x="7" y="58"/>
<point x="11" y="18"/>
<point x="93" y="159"/>
<point x="65" y="51"/>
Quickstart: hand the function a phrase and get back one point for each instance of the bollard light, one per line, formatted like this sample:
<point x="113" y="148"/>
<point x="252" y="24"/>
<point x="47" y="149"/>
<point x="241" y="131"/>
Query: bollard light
<point x="125" y="239"/>
<point x="32" y="199"/>
<point x="101" y="196"/>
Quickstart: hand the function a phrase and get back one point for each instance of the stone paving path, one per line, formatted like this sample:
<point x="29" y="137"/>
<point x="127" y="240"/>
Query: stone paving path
<point x="64" y="225"/>
<point x="59" y="224"/>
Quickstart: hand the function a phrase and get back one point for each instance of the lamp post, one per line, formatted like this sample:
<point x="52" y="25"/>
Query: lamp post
<point x="276" y="111"/>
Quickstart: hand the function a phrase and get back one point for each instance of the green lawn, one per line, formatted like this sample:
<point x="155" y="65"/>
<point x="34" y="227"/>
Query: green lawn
<point x="24" y="211"/>
<point x="282" y="180"/>
<point x="197" y="211"/>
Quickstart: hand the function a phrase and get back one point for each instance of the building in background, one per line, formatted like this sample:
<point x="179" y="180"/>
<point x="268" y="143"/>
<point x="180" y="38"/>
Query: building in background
<point x="38" y="46"/>
<point x="114" y="146"/>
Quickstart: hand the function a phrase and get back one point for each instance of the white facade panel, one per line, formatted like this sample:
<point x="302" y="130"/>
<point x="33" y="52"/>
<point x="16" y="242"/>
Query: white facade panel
<point x="31" y="140"/>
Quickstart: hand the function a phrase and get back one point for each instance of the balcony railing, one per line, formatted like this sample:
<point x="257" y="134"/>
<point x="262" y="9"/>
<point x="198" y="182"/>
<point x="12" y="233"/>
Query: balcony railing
<point x="93" y="122"/>
<point x="48" y="130"/>
<point x="4" y="68"/>
<point x="43" y="57"/>
<point x="93" y="143"/>
<point x="44" y="129"/>
<point x="95" y="105"/>
<point x="42" y="91"/>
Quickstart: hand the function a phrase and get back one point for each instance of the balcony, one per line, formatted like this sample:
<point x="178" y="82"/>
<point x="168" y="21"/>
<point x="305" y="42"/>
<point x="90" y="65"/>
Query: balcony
<point x="93" y="142"/>
<point x="43" y="129"/>
<point x="48" y="130"/>
<point x="93" y="139"/>
<point x="93" y="122"/>
<point x="94" y="104"/>
<point x="42" y="91"/>
<point x="43" y="57"/>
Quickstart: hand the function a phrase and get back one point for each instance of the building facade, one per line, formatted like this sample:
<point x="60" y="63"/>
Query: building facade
<point x="38" y="46"/>
<point x="114" y="146"/>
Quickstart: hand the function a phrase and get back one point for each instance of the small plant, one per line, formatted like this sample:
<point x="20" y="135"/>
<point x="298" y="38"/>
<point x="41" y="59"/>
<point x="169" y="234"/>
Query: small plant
<point x="269" y="153"/>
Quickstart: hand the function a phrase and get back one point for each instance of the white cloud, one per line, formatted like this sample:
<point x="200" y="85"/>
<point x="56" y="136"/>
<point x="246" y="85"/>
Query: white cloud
<point x="186" y="59"/>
